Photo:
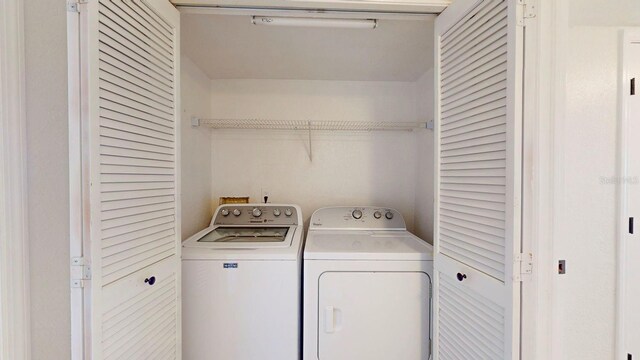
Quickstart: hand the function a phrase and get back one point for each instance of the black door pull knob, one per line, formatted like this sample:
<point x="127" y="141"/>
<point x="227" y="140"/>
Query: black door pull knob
<point x="461" y="276"/>
<point x="150" y="280"/>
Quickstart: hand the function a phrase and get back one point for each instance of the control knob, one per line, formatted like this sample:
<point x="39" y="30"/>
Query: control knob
<point x="377" y="214"/>
<point x="224" y="212"/>
<point x="357" y="214"/>
<point x="388" y="215"/>
<point x="276" y="212"/>
<point x="288" y="212"/>
<point x="256" y="212"/>
<point x="236" y="212"/>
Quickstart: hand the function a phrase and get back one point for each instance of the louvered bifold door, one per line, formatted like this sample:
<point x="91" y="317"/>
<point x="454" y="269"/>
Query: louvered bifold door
<point x="477" y="224"/>
<point x="129" y="94"/>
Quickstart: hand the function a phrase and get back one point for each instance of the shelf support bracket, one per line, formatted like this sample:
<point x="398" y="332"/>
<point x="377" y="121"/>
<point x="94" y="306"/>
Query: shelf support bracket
<point x="310" y="149"/>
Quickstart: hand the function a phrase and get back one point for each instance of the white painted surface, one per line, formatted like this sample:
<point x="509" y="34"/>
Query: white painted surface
<point x="478" y="137"/>
<point x="252" y="310"/>
<point x="391" y="323"/>
<point x="423" y="212"/>
<point x="237" y="49"/>
<point x="394" y="280"/>
<point x="14" y="245"/>
<point x="130" y="154"/>
<point x="428" y="6"/>
<point x="585" y="200"/>
<point x="605" y="12"/>
<point x="629" y="247"/>
<point x="538" y="158"/>
<point x="586" y="219"/>
<point x="48" y="184"/>
<point x="197" y="203"/>
<point x="348" y="168"/>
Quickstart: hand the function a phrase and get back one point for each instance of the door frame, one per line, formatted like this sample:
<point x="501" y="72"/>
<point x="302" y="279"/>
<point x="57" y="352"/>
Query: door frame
<point x="545" y="44"/>
<point x="627" y="37"/>
<point x="76" y="165"/>
<point x="542" y="47"/>
<point x="14" y="246"/>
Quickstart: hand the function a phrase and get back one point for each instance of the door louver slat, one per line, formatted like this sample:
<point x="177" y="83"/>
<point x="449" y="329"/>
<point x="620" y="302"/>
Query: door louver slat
<point x="484" y="49"/>
<point x="477" y="132"/>
<point x="125" y="22"/>
<point x="484" y="20"/>
<point x="116" y="64"/>
<point x="139" y="26"/>
<point x="482" y="319"/>
<point x="475" y="77"/>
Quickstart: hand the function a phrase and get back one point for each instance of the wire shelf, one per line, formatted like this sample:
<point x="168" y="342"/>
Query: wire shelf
<point x="312" y="125"/>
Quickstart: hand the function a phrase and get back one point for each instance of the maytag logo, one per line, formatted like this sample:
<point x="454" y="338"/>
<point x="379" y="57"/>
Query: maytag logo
<point x="230" y="265"/>
<point x="317" y="224"/>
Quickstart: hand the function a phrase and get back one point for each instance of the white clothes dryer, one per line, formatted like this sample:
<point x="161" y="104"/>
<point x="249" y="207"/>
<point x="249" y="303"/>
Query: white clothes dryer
<point x="367" y="287"/>
<point x="241" y="285"/>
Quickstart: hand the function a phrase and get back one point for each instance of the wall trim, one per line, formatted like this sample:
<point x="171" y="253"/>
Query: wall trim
<point x="544" y="91"/>
<point x="14" y="246"/>
<point x="627" y="37"/>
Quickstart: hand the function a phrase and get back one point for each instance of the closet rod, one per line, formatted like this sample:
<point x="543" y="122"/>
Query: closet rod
<point x="312" y="125"/>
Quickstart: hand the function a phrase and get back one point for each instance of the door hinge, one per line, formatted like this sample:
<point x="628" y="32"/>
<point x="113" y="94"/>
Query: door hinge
<point x="527" y="11"/>
<point x="80" y="271"/>
<point x="523" y="266"/>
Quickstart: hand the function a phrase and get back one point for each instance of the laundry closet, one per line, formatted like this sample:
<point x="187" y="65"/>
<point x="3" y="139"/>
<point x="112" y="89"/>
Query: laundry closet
<point x="265" y="81"/>
<point x="318" y="104"/>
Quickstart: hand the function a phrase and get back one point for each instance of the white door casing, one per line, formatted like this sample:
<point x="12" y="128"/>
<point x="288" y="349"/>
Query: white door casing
<point x="124" y="179"/>
<point x="628" y="295"/>
<point x="478" y="77"/>
<point x="14" y="245"/>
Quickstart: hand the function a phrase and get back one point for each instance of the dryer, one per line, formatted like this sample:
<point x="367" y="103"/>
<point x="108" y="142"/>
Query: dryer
<point x="367" y="287"/>
<point x="241" y="285"/>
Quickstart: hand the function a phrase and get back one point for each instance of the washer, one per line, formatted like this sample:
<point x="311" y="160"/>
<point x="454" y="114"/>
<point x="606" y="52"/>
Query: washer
<point x="367" y="287"/>
<point x="241" y="281"/>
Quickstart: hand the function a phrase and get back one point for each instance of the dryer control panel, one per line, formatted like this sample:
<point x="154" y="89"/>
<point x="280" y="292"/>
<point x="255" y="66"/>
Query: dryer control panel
<point x="357" y="218"/>
<point x="256" y="214"/>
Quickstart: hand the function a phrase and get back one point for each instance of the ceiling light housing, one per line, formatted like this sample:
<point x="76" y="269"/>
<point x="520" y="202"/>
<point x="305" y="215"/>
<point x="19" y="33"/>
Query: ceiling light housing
<point x="315" y="22"/>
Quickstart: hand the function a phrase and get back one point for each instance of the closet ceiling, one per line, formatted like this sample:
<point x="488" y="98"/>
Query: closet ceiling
<point x="231" y="47"/>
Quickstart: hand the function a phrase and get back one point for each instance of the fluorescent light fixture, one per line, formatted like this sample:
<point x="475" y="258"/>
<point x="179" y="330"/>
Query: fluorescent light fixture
<point x="315" y="22"/>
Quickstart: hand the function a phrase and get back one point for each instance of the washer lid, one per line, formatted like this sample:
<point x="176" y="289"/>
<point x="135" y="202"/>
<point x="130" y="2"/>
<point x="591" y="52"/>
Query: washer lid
<point x="237" y="245"/>
<point x="242" y="237"/>
<point x="366" y="245"/>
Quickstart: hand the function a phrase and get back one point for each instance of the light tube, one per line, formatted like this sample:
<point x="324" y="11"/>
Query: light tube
<point x="315" y="22"/>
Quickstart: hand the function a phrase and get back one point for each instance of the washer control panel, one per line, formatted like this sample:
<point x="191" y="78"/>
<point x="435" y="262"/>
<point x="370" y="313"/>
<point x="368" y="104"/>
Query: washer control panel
<point x="357" y="218"/>
<point x="254" y="214"/>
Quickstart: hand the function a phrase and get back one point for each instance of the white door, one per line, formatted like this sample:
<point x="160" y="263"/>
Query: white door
<point x="478" y="145"/>
<point x="355" y="320"/>
<point x="124" y="101"/>
<point x="629" y="292"/>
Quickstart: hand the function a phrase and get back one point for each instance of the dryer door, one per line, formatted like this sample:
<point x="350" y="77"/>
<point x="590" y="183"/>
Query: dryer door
<point x="374" y="315"/>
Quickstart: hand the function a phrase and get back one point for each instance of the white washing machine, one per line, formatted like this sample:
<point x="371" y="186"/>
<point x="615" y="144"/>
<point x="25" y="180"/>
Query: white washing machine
<point x="367" y="287"/>
<point x="241" y="280"/>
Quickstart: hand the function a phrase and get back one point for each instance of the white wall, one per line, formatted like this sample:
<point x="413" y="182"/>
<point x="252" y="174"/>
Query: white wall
<point x="587" y="292"/>
<point x="195" y="150"/>
<point x="423" y="216"/>
<point x="586" y="143"/>
<point x="376" y="168"/>
<point x="48" y="177"/>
